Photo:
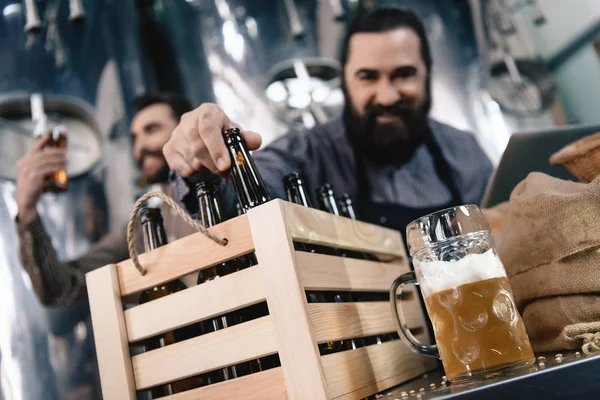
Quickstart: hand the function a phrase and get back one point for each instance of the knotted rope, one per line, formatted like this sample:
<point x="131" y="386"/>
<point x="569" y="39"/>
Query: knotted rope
<point x="182" y="213"/>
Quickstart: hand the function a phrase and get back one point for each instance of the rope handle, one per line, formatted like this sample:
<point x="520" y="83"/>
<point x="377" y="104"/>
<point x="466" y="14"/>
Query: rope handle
<point x="182" y="213"/>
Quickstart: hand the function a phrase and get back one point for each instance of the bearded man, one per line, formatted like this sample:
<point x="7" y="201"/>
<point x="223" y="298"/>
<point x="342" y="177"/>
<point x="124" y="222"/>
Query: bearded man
<point x="384" y="151"/>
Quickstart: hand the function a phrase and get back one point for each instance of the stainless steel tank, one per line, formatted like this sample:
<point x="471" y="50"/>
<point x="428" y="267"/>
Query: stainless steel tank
<point x="84" y="57"/>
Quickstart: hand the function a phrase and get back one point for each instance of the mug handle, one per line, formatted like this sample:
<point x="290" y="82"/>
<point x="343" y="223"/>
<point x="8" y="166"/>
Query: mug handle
<point x="400" y="321"/>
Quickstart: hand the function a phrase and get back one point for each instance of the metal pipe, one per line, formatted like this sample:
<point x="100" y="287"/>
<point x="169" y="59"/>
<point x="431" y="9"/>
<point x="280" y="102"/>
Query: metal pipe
<point x="32" y="17"/>
<point x="337" y="9"/>
<point x="296" y="26"/>
<point x="76" y="11"/>
<point x="502" y="19"/>
<point x="538" y="15"/>
<point x="302" y="74"/>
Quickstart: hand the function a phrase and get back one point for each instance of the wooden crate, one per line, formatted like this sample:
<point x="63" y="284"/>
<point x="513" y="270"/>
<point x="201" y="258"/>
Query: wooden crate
<point x="293" y="328"/>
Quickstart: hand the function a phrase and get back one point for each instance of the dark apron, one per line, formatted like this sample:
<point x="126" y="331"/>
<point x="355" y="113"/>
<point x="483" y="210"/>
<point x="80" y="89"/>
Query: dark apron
<point x="397" y="216"/>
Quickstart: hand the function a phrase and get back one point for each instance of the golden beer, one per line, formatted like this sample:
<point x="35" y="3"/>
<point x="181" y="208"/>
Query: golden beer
<point x="478" y="329"/>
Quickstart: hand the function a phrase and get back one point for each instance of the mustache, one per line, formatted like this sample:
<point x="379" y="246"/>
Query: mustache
<point x="400" y="108"/>
<point x="148" y="153"/>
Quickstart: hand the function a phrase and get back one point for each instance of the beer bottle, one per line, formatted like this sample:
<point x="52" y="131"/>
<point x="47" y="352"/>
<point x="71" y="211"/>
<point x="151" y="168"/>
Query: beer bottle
<point x="154" y="237"/>
<point x="296" y="193"/>
<point x="57" y="181"/>
<point x="249" y="185"/>
<point x="295" y="188"/>
<point x="327" y="202"/>
<point x="347" y="210"/>
<point x="251" y="192"/>
<point x="209" y="214"/>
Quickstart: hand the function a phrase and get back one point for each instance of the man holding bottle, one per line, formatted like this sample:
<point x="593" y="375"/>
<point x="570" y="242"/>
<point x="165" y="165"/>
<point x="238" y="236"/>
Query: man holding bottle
<point x="384" y="152"/>
<point x="60" y="284"/>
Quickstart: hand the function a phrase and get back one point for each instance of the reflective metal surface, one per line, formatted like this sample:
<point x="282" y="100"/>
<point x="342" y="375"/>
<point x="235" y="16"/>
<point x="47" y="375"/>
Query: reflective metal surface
<point x="84" y="56"/>
<point x="571" y="376"/>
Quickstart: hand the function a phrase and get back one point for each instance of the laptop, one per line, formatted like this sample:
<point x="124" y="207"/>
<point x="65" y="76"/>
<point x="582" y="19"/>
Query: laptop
<point x="530" y="152"/>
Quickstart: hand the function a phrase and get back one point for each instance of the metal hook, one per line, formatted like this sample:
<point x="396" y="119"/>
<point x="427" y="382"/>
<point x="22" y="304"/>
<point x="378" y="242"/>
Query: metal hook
<point x="32" y="17"/>
<point x="76" y="11"/>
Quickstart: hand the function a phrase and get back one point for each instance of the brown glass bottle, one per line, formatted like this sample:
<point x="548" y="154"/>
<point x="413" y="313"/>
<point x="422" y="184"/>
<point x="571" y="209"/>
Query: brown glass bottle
<point x="296" y="193"/>
<point x="154" y="237"/>
<point x="58" y="181"/>
<point x="251" y="192"/>
<point x="209" y="214"/>
<point x="327" y="202"/>
<point x="249" y="185"/>
<point x="346" y="207"/>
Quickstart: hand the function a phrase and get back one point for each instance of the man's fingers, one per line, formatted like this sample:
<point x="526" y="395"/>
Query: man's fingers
<point x="211" y="123"/>
<point x="49" y="168"/>
<point x="49" y="155"/>
<point x="253" y="140"/>
<point x="179" y="165"/>
<point x="40" y="142"/>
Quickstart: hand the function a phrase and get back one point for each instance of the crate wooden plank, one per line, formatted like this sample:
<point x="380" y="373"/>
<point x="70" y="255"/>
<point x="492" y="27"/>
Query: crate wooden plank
<point x="358" y="373"/>
<point x="108" y="323"/>
<point x="234" y="291"/>
<point x="313" y="226"/>
<point x="298" y="351"/>
<point x="324" y="272"/>
<point x="339" y="321"/>
<point x="243" y="342"/>
<point x="186" y="255"/>
<point x="266" y="385"/>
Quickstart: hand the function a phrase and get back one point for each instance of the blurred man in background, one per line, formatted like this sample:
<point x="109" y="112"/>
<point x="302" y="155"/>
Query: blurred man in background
<point x="385" y="151"/>
<point x="60" y="284"/>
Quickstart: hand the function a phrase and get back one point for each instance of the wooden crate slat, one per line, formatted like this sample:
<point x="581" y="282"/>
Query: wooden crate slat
<point x="323" y="272"/>
<point x="298" y="351"/>
<point x="114" y="362"/>
<point x="339" y="321"/>
<point x="266" y="385"/>
<point x="234" y="291"/>
<point x="355" y="374"/>
<point x="318" y="227"/>
<point x="186" y="255"/>
<point x="239" y="343"/>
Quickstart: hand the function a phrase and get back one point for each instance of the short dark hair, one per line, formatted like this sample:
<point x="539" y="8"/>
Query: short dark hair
<point x="179" y="104"/>
<point x="384" y="19"/>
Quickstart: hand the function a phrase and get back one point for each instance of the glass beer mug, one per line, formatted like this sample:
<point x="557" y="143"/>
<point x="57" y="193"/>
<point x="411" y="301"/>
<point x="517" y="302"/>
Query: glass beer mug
<point x="477" y="327"/>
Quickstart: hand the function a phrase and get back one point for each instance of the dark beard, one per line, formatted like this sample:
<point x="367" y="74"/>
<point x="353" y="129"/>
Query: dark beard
<point x="162" y="175"/>
<point x="384" y="144"/>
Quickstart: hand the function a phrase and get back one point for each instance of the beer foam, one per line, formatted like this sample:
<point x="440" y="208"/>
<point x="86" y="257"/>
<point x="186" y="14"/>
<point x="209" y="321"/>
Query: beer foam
<point x="437" y="276"/>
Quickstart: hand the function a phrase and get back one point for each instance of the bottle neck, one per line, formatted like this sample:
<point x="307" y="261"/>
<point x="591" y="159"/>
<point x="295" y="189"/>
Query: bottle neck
<point x="327" y="202"/>
<point x="297" y="194"/>
<point x="249" y="185"/>
<point x="154" y="230"/>
<point x="347" y="208"/>
<point x="209" y="210"/>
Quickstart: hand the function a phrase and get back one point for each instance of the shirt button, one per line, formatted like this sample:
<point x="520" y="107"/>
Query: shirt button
<point x="382" y="219"/>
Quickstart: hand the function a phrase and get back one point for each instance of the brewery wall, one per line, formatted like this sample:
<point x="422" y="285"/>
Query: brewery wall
<point x="232" y="52"/>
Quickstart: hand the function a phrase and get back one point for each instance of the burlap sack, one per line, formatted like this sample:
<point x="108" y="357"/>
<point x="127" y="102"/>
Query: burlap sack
<point x="548" y="237"/>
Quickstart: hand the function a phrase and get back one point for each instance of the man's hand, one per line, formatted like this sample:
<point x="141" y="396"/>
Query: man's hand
<point x="32" y="168"/>
<point x="197" y="142"/>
